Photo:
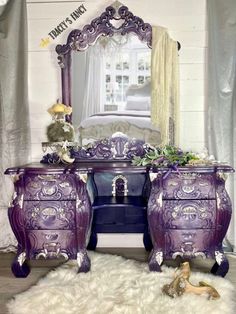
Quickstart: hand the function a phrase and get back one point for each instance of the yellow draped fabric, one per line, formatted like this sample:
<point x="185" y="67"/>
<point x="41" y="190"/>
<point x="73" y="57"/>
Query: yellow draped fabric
<point x="165" y="85"/>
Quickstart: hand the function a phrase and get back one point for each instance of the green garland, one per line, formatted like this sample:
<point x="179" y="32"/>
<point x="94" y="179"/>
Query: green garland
<point x="167" y="156"/>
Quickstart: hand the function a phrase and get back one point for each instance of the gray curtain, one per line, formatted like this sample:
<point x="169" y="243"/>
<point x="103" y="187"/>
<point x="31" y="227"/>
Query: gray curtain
<point x="14" y="113"/>
<point x="221" y="92"/>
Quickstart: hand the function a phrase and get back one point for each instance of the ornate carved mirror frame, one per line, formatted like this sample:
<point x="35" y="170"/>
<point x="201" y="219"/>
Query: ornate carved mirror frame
<point x="80" y="40"/>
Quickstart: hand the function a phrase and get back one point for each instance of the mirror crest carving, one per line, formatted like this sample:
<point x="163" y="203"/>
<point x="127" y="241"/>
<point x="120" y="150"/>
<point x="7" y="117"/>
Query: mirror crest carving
<point x="80" y="40"/>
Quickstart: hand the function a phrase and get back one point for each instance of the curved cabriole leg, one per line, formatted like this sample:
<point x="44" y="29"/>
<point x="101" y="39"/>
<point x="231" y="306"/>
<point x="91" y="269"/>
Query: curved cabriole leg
<point x="147" y="241"/>
<point x="19" y="266"/>
<point x="155" y="260"/>
<point x="221" y="267"/>
<point x="92" y="241"/>
<point x="83" y="261"/>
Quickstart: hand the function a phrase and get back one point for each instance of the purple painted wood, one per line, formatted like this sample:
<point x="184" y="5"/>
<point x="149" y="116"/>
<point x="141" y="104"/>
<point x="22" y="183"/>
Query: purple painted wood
<point x="189" y="213"/>
<point x="117" y="147"/>
<point x="54" y="218"/>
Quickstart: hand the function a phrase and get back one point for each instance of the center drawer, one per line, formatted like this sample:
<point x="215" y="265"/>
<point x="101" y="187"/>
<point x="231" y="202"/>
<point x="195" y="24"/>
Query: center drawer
<point x="187" y="214"/>
<point x="49" y="214"/>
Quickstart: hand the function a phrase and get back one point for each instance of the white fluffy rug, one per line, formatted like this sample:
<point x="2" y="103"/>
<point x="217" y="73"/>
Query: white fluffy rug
<point x="117" y="285"/>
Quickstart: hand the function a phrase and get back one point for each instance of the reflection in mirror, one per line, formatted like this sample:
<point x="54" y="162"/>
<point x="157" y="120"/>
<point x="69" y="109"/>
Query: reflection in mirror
<point x="106" y="77"/>
<point x="112" y="75"/>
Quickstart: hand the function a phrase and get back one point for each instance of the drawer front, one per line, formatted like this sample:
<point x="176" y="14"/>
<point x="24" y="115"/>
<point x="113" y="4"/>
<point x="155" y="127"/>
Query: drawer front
<point x="50" y="187"/>
<point x="189" y="243"/>
<point x="52" y="243"/>
<point x="188" y="186"/>
<point x="49" y="214"/>
<point x="187" y="214"/>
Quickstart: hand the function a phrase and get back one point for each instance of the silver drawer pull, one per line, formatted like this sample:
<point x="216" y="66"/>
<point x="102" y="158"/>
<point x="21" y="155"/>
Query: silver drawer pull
<point x="188" y="189"/>
<point x="51" y="237"/>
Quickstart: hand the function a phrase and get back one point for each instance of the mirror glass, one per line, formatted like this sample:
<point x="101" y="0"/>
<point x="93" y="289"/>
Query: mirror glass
<point x="112" y="75"/>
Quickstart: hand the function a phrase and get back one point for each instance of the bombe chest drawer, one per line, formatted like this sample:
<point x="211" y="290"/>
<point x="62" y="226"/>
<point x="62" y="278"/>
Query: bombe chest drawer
<point x="189" y="213"/>
<point x="50" y="215"/>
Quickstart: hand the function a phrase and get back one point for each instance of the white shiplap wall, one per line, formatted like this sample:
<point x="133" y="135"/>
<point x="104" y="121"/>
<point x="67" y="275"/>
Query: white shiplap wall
<point x="185" y="20"/>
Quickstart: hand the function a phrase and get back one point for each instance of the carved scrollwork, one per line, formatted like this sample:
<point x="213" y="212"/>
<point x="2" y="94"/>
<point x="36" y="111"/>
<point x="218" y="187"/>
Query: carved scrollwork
<point x="80" y="40"/>
<point x="54" y="187"/>
<point x="52" y="250"/>
<point x="58" y="214"/>
<point x="119" y="146"/>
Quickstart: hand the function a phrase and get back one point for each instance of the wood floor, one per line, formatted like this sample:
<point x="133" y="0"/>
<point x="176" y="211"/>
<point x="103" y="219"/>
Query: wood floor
<point x="10" y="286"/>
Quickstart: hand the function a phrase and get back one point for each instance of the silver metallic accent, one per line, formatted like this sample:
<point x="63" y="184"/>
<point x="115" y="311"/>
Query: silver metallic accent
<point x="15" y="177"/>
<point x="51" y="236"/>
<point x="52" y="249"/>
<point x="159" y="200"/>
<point x="188" y="189"/>
<point x="221" y="175"/>
<point x="80" y="258"/>
<point x="35" y="212"/>
<point x="20" y="202"/>
<point x="41" y="254"/>
<point x="47" y="177"/>
<point x="49" y="190"/>
<point x="189" y="175"/>
<point x="83" y="177"/>
<point x="21" y="258"/>
<point x="78" y="202"/>
<point x="219" y="257"/>
<point x="153" y="176"/>
<point x="114" y="184"/>
<point x="159" y="257"/>
<point x="14" y="196"/>
<point x="183" y="253"/>
<point x="48" y="212"/>
<point x="64" y="184"/>
<point x="218" y="201"/>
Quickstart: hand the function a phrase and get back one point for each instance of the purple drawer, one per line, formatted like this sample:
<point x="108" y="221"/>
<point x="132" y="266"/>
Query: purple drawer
<point x="49" y="214"/>
<point x="188" y="243"/>
<point x="52" y="243"/>
<point x="188" y="185"/>
<point x="50" y="187"/>
<point x="187" y="214"/>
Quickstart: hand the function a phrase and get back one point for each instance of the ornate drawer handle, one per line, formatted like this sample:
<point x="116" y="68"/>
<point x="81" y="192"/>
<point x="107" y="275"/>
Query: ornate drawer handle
<point x="188" y="189"/>
<point x="51" y="236"/>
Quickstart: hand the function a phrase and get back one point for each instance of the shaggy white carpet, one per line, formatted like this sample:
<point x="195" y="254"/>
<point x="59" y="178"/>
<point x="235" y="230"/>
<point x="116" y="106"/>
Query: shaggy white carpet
<point x="117" y="285"/>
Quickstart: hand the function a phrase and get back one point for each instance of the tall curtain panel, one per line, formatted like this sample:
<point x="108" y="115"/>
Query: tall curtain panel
<point x="14" y="113"/>
<point x="221" y="92"/>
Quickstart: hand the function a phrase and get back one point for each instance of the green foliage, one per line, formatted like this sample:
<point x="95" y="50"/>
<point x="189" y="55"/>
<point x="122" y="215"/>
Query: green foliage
<point x="59" y="131"/>
<point x="167" y="156"/>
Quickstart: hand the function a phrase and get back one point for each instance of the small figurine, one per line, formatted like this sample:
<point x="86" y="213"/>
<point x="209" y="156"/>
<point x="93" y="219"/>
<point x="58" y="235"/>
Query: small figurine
<point x="181" y="285"/>
<point x="60" y="130"/>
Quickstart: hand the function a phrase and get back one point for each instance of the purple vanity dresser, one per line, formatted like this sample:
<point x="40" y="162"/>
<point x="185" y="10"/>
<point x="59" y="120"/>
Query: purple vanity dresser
<point x="187" y="212"/>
